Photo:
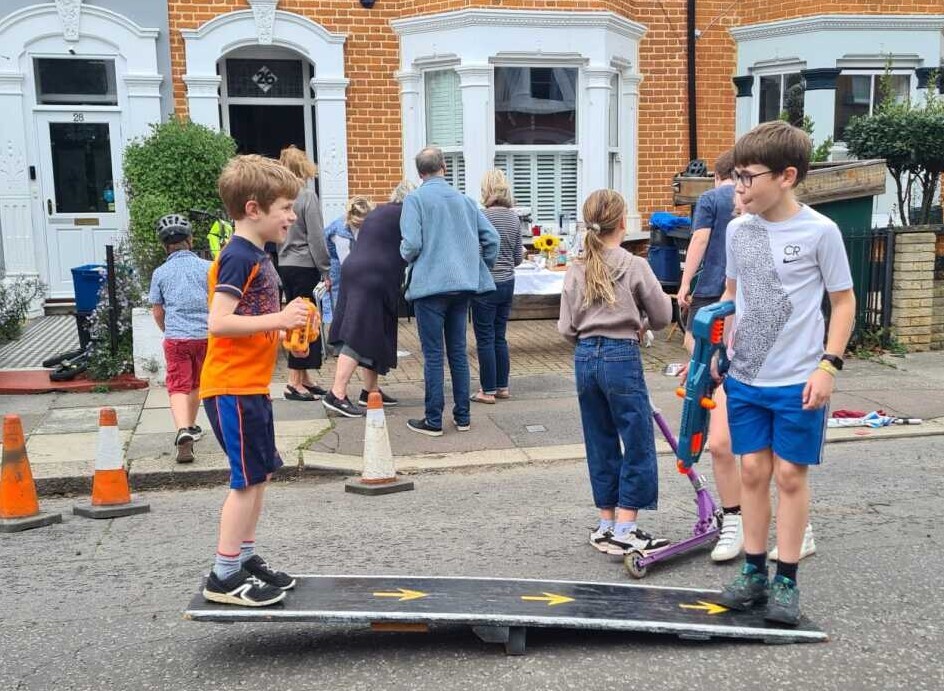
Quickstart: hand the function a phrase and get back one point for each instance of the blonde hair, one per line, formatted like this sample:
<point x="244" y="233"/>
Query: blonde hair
<point x="603" y="214"/>
<point x="357" y="210"/>
<point x="495" y="189"/>
<point x="296" y="161"/>
<point x="401" y="191"/>
<point x="255" y="178"/>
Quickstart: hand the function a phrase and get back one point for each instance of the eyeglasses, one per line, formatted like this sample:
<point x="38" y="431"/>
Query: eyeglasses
<point x="747" y="179"/>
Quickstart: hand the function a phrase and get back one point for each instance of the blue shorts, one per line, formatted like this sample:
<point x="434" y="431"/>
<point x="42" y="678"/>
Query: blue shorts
<point x="772" y="417"/>
<point x="244" y="427"/>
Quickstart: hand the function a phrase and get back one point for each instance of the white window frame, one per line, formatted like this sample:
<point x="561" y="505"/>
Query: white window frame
<point x="307" y="100"/>
<point x="452" y="154"/>
<point x="874" y="73"/>
<point x="534" y="150"/>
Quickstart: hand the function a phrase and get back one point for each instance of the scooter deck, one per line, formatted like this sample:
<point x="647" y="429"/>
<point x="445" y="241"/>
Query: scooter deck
<point x="500" y="609"/>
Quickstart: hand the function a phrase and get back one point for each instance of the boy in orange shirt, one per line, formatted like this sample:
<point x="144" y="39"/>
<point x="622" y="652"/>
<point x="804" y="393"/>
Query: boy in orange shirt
<point x="244" y="329"/>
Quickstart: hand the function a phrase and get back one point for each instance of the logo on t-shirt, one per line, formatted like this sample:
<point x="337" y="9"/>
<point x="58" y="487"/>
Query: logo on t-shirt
<point x="791" y="253"/>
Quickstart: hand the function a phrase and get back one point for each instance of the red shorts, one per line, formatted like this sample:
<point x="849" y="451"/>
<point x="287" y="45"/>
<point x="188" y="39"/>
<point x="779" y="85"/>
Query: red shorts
<point x="184" y="358"/>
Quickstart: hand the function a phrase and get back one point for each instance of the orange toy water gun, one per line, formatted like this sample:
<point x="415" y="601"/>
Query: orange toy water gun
<point x="299" y="339"/>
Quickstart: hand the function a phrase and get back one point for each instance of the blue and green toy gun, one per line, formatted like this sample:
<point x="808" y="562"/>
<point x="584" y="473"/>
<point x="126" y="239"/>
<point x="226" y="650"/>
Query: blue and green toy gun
<point x="708" y="330"/>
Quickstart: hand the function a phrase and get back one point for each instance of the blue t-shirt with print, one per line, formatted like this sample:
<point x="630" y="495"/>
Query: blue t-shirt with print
<point x="715" y="209"/>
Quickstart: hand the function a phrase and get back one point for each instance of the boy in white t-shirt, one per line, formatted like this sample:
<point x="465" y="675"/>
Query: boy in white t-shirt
<point x="781" y="257"/>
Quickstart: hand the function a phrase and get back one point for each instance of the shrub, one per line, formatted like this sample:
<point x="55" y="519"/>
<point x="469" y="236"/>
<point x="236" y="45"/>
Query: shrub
<point x="16" y="296"/>
<point x="103" y="363"/>
<point x="172" y="170"/>
<point x="910" y="137"/>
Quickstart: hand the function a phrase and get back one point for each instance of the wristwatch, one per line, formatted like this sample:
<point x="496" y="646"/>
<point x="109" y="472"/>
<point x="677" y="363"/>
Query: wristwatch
<point x="833" y="360"/>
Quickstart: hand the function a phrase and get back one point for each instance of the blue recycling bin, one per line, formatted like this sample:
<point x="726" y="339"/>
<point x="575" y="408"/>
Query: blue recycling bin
<point x="87" y="280"/>
<point x="666" y="264"/>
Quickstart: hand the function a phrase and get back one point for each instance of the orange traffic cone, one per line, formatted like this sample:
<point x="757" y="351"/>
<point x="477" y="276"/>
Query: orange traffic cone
<point x="19" y="506"/>
<point x="379" y="475"/>
<point x="111" y="494"/>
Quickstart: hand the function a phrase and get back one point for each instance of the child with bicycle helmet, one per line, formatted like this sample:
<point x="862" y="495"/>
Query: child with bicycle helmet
<point x="178" y="297"/>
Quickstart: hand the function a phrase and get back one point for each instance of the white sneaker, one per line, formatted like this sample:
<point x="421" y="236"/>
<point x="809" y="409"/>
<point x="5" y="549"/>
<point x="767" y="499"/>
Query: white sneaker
<point x="599" y="538"/>
<point x="731" y="541"/>
<point x="808" y="548"/>
<point x="636" y="541"/>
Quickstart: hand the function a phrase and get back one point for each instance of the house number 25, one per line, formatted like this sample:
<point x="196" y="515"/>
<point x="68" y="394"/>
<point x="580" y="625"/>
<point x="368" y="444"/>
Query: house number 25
<point x="78" y="117"/>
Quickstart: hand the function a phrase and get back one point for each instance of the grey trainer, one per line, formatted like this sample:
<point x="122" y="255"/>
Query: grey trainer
<point x="784" y="604"/>
<point x="747" y="590"/>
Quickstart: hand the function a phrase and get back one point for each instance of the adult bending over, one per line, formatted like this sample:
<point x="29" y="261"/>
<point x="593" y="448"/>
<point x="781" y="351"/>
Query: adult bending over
<point x="364" y="330"/>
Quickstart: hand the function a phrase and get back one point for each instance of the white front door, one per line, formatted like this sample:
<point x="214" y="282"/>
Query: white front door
<point x="80" y="159"/>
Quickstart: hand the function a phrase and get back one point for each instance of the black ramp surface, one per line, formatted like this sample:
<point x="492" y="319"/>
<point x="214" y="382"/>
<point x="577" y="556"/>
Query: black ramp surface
<point x="509" y="602"/>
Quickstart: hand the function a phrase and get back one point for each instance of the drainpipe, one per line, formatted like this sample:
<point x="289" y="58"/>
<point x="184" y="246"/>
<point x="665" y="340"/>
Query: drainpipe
<point x="692" y="104"/>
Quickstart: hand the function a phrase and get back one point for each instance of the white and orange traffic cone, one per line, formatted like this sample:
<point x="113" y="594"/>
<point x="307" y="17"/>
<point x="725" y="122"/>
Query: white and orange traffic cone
<point x="19" y="505"/>
<point x="111" y="494"/>
<point x="379" y="475"/>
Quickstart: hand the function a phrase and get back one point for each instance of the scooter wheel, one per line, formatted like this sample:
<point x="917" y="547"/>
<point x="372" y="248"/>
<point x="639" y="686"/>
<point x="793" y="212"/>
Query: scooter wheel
<point x="632" y="563"/>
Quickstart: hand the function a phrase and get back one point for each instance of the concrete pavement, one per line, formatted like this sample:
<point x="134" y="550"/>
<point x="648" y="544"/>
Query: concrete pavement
<point x="540" y="423"/>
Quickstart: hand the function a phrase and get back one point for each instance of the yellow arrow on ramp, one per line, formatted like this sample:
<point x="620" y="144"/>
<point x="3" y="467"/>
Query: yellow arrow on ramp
<point x="403" y="594"/>
<point x="707" y="607"/>
<point x="550" y="598"/>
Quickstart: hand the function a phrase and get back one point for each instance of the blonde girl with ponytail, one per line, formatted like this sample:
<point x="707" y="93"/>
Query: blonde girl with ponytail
<point x="609" y="297"/>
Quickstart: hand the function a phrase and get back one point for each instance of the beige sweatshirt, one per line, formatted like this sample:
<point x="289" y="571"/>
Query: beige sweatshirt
<point x="640" y="301"/>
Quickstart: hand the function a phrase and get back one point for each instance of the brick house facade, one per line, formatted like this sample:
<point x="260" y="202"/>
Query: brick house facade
<point x="361" y="89"/>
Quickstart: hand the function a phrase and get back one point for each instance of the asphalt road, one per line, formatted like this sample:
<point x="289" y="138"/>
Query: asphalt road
<point x="96" y="605"/>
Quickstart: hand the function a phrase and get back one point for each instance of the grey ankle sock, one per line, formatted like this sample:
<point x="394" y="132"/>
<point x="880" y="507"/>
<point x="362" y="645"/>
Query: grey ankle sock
<point x="624" y="528"/>
<point x="246" y="550"/>
<point x="226" y="565"/>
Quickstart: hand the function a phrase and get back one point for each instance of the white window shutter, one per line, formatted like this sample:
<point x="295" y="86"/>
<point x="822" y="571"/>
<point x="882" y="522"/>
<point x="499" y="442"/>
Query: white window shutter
<point x="443" y="109"/>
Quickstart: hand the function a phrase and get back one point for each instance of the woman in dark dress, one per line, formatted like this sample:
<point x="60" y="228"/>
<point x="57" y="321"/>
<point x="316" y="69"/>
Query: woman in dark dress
<point x="364" y="330"/>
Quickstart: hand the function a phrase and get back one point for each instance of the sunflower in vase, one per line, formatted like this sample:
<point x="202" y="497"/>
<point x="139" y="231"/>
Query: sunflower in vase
<point x="547" y="244"/>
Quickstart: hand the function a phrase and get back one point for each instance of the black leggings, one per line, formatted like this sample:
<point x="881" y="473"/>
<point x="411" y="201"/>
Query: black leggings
<point x="299" y="281"/>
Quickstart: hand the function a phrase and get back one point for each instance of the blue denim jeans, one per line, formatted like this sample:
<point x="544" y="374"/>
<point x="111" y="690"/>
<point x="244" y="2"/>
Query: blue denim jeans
<point x="489" y="319"/>
<point x="436" y="316"/>
<point x="614" y="407"/>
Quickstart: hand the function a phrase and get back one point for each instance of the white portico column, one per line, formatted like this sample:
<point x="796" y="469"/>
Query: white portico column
<point x="331" y="131"/>
<point x="203" y="99"/>
<point x="629" y="147"/>
<point x="742" y="118"/>
<point x="477" y="121"/>
<point x="410" y="121"/>
<point x="144" y="102"/>
<point x="595" y="130"/>
<point x="19" y="257"/>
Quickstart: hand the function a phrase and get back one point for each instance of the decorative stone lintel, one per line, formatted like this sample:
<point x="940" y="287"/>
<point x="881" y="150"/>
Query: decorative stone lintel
<point x="329" y="88"/>
<point x="69" y="15"/>
<point x="263" y="11"/>
<point x="821" y="78"/>
<point x="471" y="76"/>
<point x="202" y="86"/>
<point x="744" y="85"/>
<point x="144" y="84"/>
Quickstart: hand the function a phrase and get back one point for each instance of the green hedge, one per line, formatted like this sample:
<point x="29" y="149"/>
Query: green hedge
<point x="172" y="170"/>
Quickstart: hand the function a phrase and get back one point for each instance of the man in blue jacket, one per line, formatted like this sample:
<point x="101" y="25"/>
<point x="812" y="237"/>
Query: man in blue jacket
<point x="449" y="246"/>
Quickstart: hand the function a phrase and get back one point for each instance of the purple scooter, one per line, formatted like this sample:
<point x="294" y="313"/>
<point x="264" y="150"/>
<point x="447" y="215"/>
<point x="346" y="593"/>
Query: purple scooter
<point x="706" y="528"/>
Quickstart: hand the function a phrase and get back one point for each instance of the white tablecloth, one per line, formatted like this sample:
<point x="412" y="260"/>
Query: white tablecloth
<point x="538" y="282"/>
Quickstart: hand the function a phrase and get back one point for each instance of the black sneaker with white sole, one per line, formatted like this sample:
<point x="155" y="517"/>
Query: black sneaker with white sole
<point x="387" y="400"/>
<point x="342" y="406"/>
<point x="196" y="432"/>
<point x="184" y="445"/>
<point x="424" y="427"/>
<point x="258" y="567"/>
<point x="241" y="589"/>
<point x="637" y="540"/>
<point x="462" y="426"/>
